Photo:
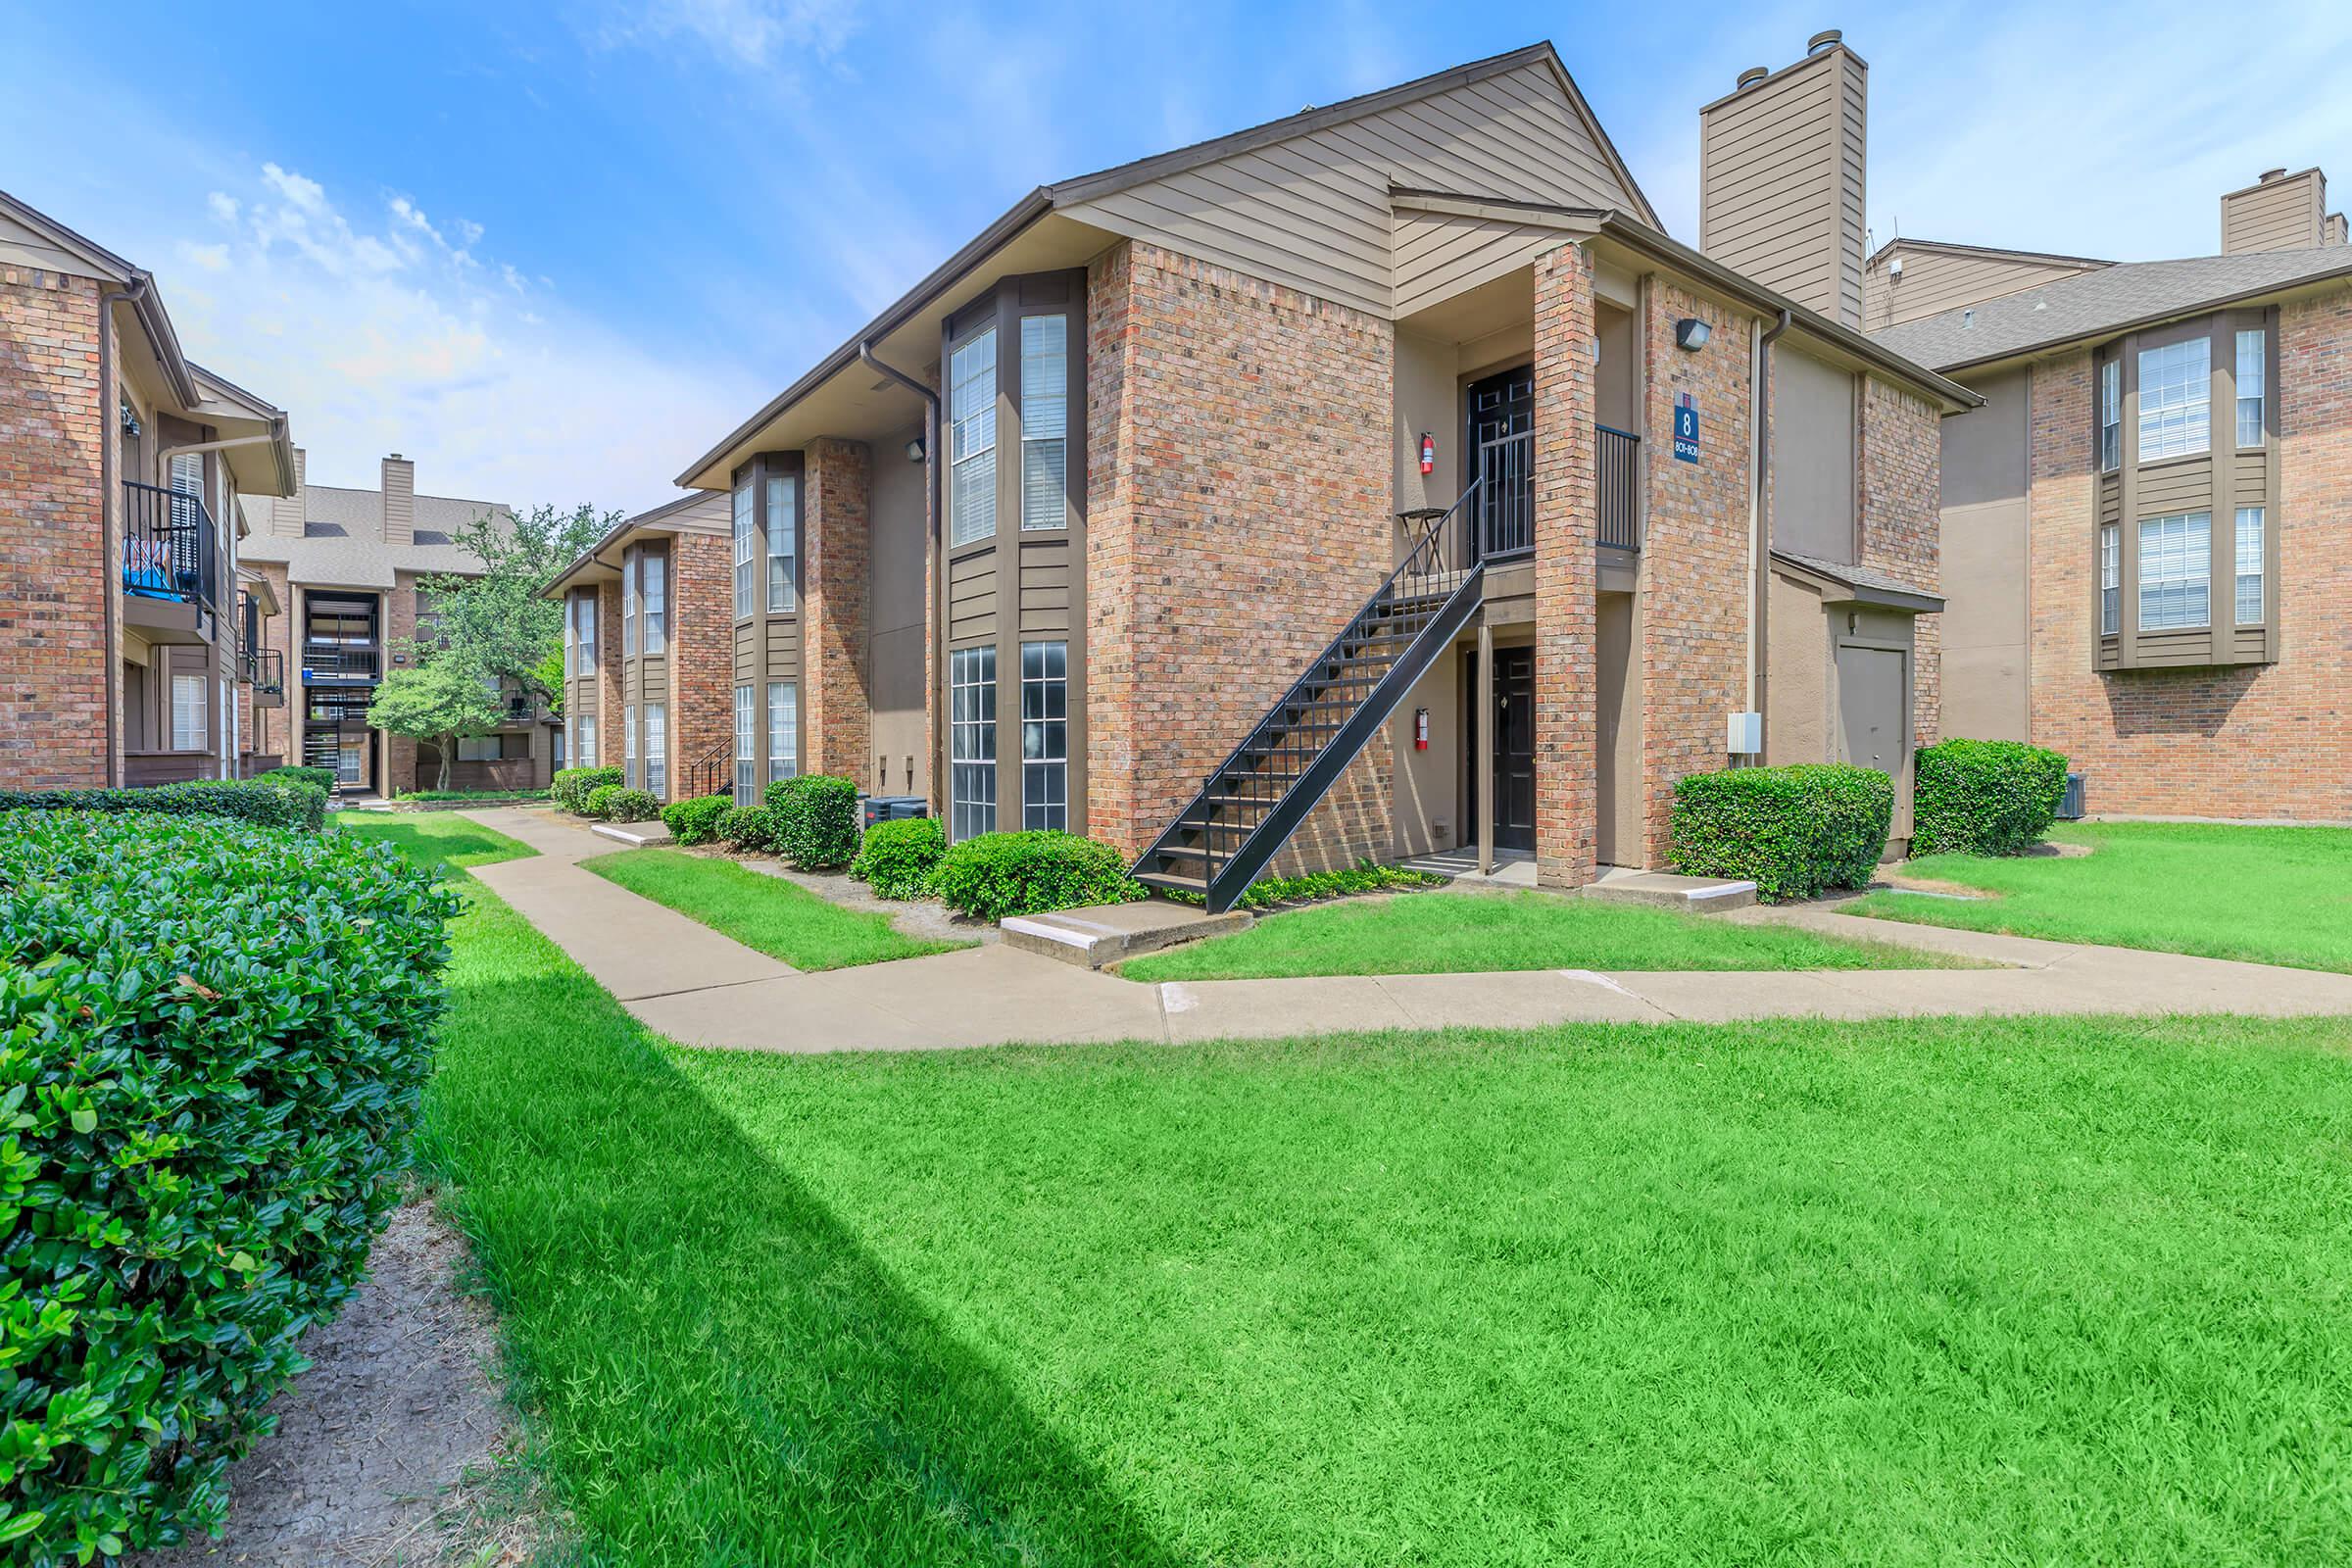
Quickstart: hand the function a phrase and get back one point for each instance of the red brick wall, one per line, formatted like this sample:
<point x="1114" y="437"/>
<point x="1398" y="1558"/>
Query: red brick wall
<point x="397" y="626"/>
<point x="2240" y="741"/>
<point x="701" y="653"/>
<point x="1896" y="491"/>
<point x="1239" y="495"/>
<point x="1567" y="537"/>
<point x="56" y="665"/>
<point x="612" y="668"/>
<point x="836" y="573"/>
<point x="277" y="731"/>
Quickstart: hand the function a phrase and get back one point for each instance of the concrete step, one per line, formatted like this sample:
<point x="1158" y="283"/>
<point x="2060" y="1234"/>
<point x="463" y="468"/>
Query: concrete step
<point x="1663" y="890"/>
<point x="1106" y="933"/>
<point x="636" y="835"/>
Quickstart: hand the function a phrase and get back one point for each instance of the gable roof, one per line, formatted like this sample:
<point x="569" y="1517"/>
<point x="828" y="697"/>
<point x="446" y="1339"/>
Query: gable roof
<point x="1997" y="253"/>
<point x="2105" y="301"/>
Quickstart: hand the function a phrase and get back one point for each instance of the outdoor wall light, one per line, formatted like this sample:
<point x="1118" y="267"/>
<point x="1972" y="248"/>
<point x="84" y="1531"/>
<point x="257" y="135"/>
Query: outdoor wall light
<point x="914" y="449"/>
<point x="1692" y="333"/>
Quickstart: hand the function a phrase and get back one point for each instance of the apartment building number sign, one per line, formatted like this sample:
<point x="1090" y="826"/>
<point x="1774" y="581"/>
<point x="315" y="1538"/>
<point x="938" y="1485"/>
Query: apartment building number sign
<point x="1686" y="428"/>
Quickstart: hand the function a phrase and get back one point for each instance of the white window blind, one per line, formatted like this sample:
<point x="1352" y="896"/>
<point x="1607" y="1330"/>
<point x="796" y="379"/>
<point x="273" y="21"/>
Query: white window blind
<point x="585" y="755"/>
<point x="653" y="601"/>
<point x="2110" y="416"/>
<point x="1044" y="422"/>
<point x="2176" y="399"/>
<point x="187" y="712"/>
<point x="2249" y="566"/>
<point x="2176" y="564"/>
<point x="2253" y="371"/>
<point x="972" y="439"/>
<point x="2111" y="579"/>
<point x="783" y="543"/>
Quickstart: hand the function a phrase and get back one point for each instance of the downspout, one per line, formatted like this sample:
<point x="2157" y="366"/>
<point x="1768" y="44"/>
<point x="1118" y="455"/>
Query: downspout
<point x="110" y="570"/>
<point x="935" y="565"/>
<point x="1759" y="543"/>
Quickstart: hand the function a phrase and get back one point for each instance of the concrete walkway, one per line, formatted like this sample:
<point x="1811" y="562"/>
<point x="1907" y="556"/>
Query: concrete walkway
<point x="698" y="988"/>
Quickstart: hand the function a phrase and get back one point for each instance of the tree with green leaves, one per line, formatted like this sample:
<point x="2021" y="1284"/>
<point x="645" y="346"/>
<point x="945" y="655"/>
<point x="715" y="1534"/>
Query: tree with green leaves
<point x="495" y="620"/>
<point x="444" y="701"/>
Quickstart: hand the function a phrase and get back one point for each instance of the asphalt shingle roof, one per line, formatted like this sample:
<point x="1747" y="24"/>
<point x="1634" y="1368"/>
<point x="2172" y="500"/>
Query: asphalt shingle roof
<point x="344" y="545"/>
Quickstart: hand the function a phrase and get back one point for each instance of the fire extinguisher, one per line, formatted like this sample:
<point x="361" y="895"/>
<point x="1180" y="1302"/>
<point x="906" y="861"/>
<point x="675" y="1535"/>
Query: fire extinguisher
<point x="1420" y="729"/>
<point x="1429" y="453"/>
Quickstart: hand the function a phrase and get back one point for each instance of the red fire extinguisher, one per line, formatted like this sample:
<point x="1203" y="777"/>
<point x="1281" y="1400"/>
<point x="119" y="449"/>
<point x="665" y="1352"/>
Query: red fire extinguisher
<point x="1420" y="729"/>
<point x="1429" y="453"/>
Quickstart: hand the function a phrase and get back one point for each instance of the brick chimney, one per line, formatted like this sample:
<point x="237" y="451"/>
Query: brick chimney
<point x="399" y="501"/>
<point x="2280" y="212"/>
<point x="1780" y="177"/>
<point x="286" y="511"/>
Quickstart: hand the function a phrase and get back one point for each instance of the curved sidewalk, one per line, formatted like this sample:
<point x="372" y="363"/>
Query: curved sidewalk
<point x="702" y="988"/>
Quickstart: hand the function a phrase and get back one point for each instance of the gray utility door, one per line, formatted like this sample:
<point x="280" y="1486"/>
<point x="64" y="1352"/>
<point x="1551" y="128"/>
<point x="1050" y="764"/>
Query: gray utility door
<point x="1870" y="708"/>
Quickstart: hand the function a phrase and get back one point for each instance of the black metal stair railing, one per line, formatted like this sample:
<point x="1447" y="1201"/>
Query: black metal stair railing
<point x="1248" y="806"/>
<point x="710" y="773"/>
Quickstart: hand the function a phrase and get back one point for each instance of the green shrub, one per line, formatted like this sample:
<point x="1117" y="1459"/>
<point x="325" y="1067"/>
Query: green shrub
<point x="696" y="822"/>
<point x="599" y="803"/>
<point x="571" y="786"/>
<point x="998" y="874"/>
<point x="321" y="778"/>
<point x="1983" y="796"/>
<point x="251" y="800"/>
<point x="816" y="821"/>
<point x="214" y="1038"/>
<point x="625" y="805"/>
<point x="460" y="797"/>
<point x="1315" y="887"/>
<point x="1792" y="831"/>
<point x="898" y="857"/>
<point x="747" y="829"/>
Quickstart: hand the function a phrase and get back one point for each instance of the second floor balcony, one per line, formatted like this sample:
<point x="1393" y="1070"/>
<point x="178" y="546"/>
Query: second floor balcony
<point x="171" y="550"/>
<point x="338" y="663"/>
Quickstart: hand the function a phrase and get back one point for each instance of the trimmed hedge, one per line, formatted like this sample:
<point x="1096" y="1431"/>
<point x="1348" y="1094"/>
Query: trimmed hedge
<point x="625" y="805"/>
<point x="321" y="778"/>
<point x="214" y="1038"/>
<point x="747" y="829"/>
<point x="246" y="799"/>
<point x="571" y="786"/>
<point x="696" y="822"/>
<point x="1985" y="797"/>
<point x="816" y="821"/>
<point x="898" y="857"/>
<point x="998" y="874"/>
<point x="1792" y="831"/>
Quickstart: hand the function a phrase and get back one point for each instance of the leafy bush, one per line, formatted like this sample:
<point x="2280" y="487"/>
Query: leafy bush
<point x="1269" y="892"/>
<point x="250" y="800"/>
<point x="1792" y="831"/>
<point x="696" y="822"/>
<point x="624" y="805"/>
<point x="321" y="778"/>
<point x="898" y="857"/>
<point x="816" y="821"/>
<point x="1985" y="797"/>
<point x="998" y="874"/>
<point x="571" y="786"/>
<point x="747" y="829"/>
<point x="214" y="1036"/>
<point x="599" y="803"/>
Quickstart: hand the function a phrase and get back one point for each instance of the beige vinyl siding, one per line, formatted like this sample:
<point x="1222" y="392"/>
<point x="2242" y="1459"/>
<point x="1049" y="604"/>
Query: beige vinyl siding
<point x="2285" y="214"/>
<point x="1934" y="282"/>
<point x="1312" y="211"/>
<point x="1440" y="254"/>
<point x="1782" y="182"/>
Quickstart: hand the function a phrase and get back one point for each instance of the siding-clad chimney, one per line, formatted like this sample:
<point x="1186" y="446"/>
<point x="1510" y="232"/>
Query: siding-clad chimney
<point x="2280" y="212"/>
<point x="399" y="501"/>
<point x="286" y="511"/>
<point x="1779" y="183"/>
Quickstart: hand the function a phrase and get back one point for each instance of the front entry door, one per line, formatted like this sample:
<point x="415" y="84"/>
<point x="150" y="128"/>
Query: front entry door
<point x="1514" y="732"/>
<point x="1502" y="425"/>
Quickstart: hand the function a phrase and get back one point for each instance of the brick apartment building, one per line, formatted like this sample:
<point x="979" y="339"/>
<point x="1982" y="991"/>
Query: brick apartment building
<point x="125" y="624"/>
<point x="2143" y="526"/>
<point x="341" y="568"/>
<point x="1390" y="453"/>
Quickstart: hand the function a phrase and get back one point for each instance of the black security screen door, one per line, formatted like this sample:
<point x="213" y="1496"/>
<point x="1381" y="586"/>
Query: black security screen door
<point x="1503" y="426"/>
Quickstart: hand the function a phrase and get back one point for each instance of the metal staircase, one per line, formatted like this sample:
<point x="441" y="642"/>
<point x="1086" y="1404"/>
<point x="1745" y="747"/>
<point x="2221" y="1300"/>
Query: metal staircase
<point x="1252" y="801"/>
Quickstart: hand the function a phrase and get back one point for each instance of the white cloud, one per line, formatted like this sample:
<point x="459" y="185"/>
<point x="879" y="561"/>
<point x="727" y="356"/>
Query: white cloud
<point x="756" y="33"/>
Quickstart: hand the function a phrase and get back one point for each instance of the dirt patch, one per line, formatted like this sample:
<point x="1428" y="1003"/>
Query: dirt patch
<point x="395" y="1448"/>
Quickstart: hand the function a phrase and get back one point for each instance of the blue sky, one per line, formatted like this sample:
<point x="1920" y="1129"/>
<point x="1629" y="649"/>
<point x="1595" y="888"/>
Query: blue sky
<point x="554" y="251"/>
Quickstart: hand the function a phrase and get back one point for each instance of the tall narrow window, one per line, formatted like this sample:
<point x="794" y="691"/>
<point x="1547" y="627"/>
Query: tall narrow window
<point x="747" y="725"/>
<point x="2249" y="566"/>
<point x="783" y="729"/>
<point x="972" y="445"/>
<point x="628" y="604"/>
<point x="972" y="742"/>
<point x="1045" y="735"/>
<point x="1044" y="422"/>
<point x="2110" y="416"/>
<point x="571" y="636"/>
<point x="653" y="601"/>
<point x="2176" y="564"/>
<point x="584" y="607"/>
<point x="628" y="746"/>
<point x="187" y="712"/>
<point x="2175" y="399"/>
<point x="747" y="544"/>
<point x="783" y="543"/>
<point x="2111" y="579"/>
<point x="2253" y="372"/>
<point x="585" y="733"/>
<point x="656" y="749"/>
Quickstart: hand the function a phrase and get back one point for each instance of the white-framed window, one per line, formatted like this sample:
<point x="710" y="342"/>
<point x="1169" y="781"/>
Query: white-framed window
<point x="972" y="742"/>
<point x="2176" y="568"/>
<point x="747" y="544"/>
<point x="653" y="601"/>
<point x="783" y="729"/>
<point x="2249" y="566"/>
<point x="2110" y="416"/>
<point x="747" y="765"/>
<point x="583" y="620"/>
<point x="972" y="439"/>
<point x="656" y="749"/>
<point x="2175" y="399"/>
<point x="628" y="604"/>
<point x="1045" y="735"/>
<point x="571" y="636"/>
<point x="783" y="543"/>
<point x="2111" y="579"/>
<point x="629" y="744"/>
<point x="187" y="711"/>
<point x="2253" y="376"/>
<point x="1044" y="422"/>
<point x="584" y="738"/>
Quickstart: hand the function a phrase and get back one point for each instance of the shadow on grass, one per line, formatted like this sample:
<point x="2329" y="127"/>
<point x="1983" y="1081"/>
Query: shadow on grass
<point x="440" y="839"/>
<point x="722" y="1373"/>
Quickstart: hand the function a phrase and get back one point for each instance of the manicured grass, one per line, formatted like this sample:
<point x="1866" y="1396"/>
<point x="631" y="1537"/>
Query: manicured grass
<point x="1454" y="933"/>
<point x="762" y="913"/>
<point x="2271" y="894"/>
<point x="442" y="841"/>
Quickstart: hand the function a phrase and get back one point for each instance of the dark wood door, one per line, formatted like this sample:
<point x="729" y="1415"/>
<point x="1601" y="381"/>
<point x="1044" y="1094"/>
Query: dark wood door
<point x="1514" y="732"/>
<point x="1502" y="424"/>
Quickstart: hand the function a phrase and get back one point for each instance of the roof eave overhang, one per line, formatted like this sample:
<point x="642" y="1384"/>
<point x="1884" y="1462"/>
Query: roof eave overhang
<point x="1837" y="590"/>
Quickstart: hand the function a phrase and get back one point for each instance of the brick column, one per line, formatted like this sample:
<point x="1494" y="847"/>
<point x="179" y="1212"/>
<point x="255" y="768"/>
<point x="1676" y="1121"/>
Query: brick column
<point x="1897" y="490"/>
<point x="702" y="652"/>
<point x="1567" y="571"/>
<point x="836" y="569"/>
<point x="398" y="627"/>
<point x="612" y="676"/>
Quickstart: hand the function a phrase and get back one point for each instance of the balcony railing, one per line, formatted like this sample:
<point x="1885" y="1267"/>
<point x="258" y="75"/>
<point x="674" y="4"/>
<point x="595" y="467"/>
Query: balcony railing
<point x="1504" y="524"/>
<point x="1617" y="470"/>
<point x="326" y="661"/>
<point x="170" y="550"/>
<point x="265" y="670"/>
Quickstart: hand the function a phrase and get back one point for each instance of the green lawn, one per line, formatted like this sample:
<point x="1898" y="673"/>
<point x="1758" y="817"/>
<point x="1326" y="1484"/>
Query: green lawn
<point x="2271" y="895"/>
<point x="762" y="913"/>
<point x="1896" y="1293"/>
<point x="436" y="840"/>
<point x="1454" y="933"/>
